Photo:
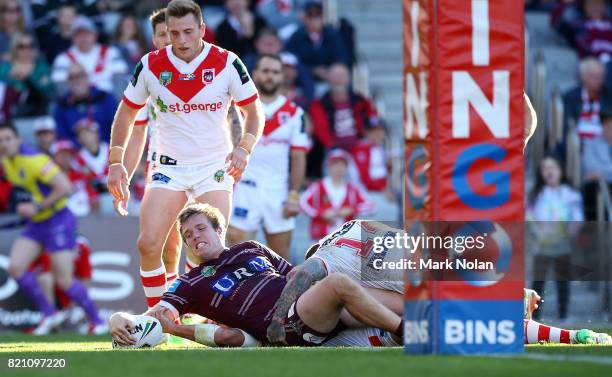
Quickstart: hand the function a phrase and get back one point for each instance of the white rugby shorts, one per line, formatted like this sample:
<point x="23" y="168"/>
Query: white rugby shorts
<point x="193" y="180"/>
<point x="254" y="207"/>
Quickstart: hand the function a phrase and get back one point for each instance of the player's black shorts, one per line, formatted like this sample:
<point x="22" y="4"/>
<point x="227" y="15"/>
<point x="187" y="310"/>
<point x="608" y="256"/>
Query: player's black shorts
<point x="300" y="334"/>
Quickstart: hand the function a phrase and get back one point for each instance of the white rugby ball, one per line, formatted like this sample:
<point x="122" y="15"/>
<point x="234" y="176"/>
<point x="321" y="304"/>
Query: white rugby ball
<point x="147" y="331"/>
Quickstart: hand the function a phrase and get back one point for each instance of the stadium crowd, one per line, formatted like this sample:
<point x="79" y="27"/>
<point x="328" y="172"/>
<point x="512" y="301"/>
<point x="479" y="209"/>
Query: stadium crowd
<point x="64" y="65"/>
<point x="585" y="26"/>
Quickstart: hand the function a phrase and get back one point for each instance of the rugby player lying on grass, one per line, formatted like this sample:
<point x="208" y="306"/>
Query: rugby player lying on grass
<point x="239" y="287"/>
<point x="345" y="251"/>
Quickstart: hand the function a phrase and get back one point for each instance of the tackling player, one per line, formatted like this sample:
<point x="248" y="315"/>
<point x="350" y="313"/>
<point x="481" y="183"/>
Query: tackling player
<point x="346" y="251"/>
<point x="191" y="83"/>
<point x="239" y="286"/>
<point x="268" y="193"/>
<point x="51" y="226"/>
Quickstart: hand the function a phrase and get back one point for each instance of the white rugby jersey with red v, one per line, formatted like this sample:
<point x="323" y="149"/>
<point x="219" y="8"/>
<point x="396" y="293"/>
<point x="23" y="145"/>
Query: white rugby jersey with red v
<point x="192" y="101"/>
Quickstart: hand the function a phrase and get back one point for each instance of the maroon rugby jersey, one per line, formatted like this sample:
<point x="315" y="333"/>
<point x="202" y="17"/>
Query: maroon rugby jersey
<point x="238" y="289"/>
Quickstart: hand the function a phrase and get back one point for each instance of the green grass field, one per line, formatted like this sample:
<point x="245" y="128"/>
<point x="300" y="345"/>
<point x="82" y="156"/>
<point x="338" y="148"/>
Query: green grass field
<point x="93" y="356"/>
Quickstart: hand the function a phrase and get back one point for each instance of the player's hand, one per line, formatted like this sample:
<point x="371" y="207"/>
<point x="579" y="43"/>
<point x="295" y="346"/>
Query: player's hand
<point x="276" y="332"/>
<point x="26" y="210"/>
<point x="120" y="328"/>
<point x="167" y="324"/>
<point x="329" y="214"/>
<point x="118" y="184"/>
<point x="345" y="212"/>
<point x="238" y="160"/>
<point x="120" y="207"/>
<point x="290" y="209"/>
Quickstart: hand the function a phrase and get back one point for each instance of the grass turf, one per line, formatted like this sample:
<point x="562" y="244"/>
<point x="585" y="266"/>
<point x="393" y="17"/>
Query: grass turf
<point x="93" y="356"/>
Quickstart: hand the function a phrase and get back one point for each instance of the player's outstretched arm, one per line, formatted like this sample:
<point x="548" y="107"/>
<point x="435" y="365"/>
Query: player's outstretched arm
<point x="207" y="334"/>
<point x="301" y="278"/>
<point x="117" y="174"/>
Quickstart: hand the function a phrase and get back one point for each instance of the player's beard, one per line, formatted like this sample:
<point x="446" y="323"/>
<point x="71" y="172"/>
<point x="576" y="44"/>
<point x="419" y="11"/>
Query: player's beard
<point x="268" y="88"/>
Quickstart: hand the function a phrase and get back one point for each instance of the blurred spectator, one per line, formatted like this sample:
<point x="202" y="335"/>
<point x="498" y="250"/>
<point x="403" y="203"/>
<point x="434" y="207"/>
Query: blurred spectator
<point x="11" y="22"/>
<point x="130" y="40"/>
<point x="28" y="76"/>
<point x="93" y="152"/>
<point x="5" y="193"/>
<point x="369" y="156"/>
<point x="597" y="163"/>
<point x="84" y="197"/>
<point x="298" y="79"/>
<point x="9" y="99"/>
<point x="317" y="46"/>
<point x="101" y="62"/>
<point x="282" y="15"/>
<point x="582" y="103"/>
<point x="340" y="117"/>
<point x="237" y="32"/>
<point x="540" y="5"/>
<point x="586" y="26"/>
<point x="333" y="200"/>
<point x="58" y="37"/>
<point x="267" y="42"/>
<point x="595" y="38"/>
<point x="373" y="165"/>
<point x="44" y="130"/>
<point x="298" y="84"/>
<point x="83" y="101"/>
<point x="554" y="207"/>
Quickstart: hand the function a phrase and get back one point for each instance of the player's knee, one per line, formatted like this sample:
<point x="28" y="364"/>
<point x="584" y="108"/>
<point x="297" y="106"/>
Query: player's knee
<point x="340" y="283"/>
<point x="149" y="245"/>
<point x="63" y="281"/>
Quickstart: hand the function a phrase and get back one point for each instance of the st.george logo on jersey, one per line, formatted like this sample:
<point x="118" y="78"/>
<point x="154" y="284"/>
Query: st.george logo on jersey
<point x="208" y="75"/>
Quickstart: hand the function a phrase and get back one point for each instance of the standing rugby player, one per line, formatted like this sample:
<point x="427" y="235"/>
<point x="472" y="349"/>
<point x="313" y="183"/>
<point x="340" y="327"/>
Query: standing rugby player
<point x="50" y="226"/>
<point x="146" y="121"/>
<point x="191" y="84"/>
<point x="268" y="192"/>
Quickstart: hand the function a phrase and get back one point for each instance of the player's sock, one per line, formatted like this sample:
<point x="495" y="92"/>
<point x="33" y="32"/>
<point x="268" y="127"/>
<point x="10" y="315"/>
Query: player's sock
<point x="170" y="278"/>
<point x="536" y="332"/>
<point x="78" y="294"/>
<point x="189" y="264"/>
<point x="154" y="284"/>
<point x="29" y="285"/>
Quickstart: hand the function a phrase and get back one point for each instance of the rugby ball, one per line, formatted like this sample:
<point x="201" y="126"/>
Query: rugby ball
<point x="147" y="331"/>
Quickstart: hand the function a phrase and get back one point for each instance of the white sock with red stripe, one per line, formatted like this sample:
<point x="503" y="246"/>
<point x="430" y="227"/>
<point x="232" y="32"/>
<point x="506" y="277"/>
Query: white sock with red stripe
<point x="189" y="264"/>
<point x="170" y="278"/>
<point x="536" y="332"/>
<point x="154" y="284"/>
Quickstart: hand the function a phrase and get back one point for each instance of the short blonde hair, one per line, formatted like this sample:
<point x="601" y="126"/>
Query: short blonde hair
<point x="216" y="218"/>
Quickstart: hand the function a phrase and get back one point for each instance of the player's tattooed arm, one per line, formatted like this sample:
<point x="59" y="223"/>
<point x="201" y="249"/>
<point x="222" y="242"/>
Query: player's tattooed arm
<point x="235" y="123"/>
<point x="302" y="278"/>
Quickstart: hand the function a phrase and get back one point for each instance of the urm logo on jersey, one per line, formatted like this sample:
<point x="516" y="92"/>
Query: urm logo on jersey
<point x="226" y="284"/>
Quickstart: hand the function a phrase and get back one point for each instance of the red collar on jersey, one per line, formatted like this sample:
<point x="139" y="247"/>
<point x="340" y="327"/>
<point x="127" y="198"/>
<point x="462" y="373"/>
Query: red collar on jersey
<point x="187" y="89"/>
